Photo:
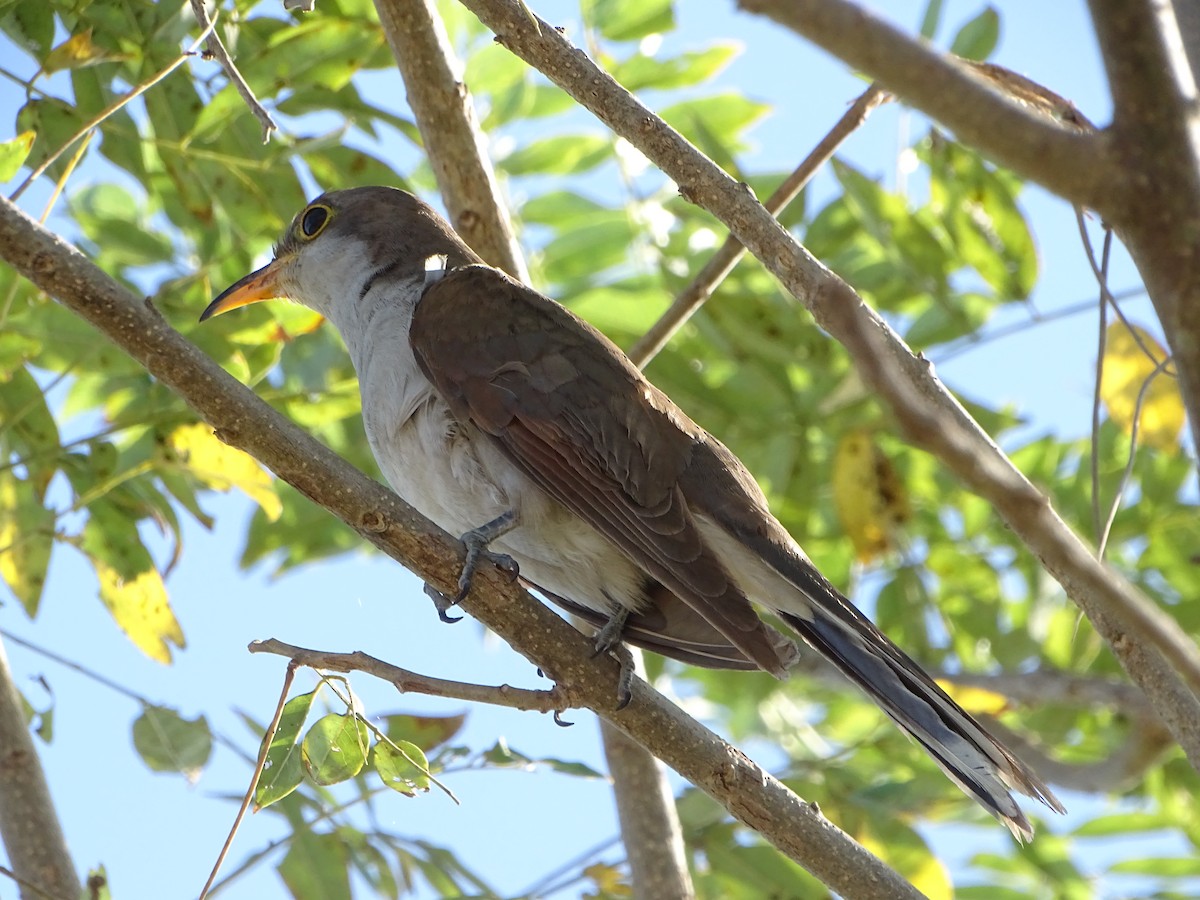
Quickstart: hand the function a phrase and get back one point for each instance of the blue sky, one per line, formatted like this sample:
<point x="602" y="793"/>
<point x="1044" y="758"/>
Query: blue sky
<point x="158" y="835"/>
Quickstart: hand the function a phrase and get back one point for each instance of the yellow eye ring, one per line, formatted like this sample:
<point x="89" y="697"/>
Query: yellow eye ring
<point x="313" y="221"/>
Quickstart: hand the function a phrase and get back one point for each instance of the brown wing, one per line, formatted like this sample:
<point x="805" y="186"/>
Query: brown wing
<point x="568" y="408"/>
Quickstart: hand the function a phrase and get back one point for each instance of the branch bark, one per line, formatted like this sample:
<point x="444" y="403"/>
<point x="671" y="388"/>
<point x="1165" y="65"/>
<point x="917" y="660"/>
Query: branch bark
<point x="454" y="142"/>
<point x="241" y="419"/>
<point x="1156" y="135"/>
<point x="1077" y="166"/>
<point x="1147" y="641"/>
<point x="445" y="114"/>
<point x="29" y="825"/>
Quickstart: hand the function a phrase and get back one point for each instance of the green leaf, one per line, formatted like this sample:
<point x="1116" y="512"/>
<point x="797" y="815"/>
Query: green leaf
<point x="931" y="18"/>
<point x="641" y="72"/>
<point x="335" y="748"/>
<point x="167" y="742"/>
<point x="978" y="38"/>
<point x="562" y="155"/>
<point x="629" y="20"/>
<point x="503" y="756"/>
<point x="715" y="123"/>
<point x="345" y="167"/>
<point x="27" y="428"/>
<point x="1159" y="867"/>
<point x="427" y="732"/>
<point x="402" y="767"/>
<point x="13" y="154"/>
<point x="283" y="771"/>
<point x="316" y="867"/>
<point x="26" y="539"/>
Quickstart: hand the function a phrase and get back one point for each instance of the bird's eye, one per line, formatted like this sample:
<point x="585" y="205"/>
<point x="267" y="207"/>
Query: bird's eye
<point x="313" y="221"/>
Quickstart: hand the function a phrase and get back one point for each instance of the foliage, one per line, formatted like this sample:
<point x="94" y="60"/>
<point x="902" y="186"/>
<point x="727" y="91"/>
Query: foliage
<point x="184" y="198"/>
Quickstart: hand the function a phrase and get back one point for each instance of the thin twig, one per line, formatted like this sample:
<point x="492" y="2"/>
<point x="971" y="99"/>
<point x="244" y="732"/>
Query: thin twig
<point x="109" y="110"/>
<point x="259" y="765"/>
<point x="407" y="681"/>
<point x="216" y="49"/>
<point x="692" y="297"/>
<point x="1133" y="443"/>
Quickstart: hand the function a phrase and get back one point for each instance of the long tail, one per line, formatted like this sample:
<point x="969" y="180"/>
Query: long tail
<point x="972" y="758"/>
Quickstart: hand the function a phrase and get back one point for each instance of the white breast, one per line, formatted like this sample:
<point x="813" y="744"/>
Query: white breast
<point x="456" y="477"/>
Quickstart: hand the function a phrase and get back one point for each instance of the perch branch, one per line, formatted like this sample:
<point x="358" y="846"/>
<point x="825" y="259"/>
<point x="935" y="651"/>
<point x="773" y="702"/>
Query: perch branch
<point x="1147" y="641"/>
<point x="454" y="142"/>
<point x="243" y="420"/>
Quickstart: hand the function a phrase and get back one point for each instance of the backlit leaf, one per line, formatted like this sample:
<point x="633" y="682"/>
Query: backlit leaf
<point x="335" y="748"/>
<point x="222" y="467"/>
<point x="167" y="742"/>
<point x="870" y="498"/>
<point x="141" y="607"/>
<point x="1128" y="364"/>
<point x="13" y="154"/>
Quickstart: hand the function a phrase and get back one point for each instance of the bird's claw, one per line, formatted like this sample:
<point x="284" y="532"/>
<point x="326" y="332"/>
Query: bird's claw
<point x="442" y="604"/>
<point x="476" y="541"/>
<point x="560" y="721"/>
<point x="476" y="553"/>
<point x="608" y="640"/>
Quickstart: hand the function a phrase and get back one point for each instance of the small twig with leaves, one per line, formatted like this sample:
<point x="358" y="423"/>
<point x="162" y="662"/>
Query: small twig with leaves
<point x="259" y="765"/>
<point x="113" y="107"/>
<point x="554" y="700"/>
<point x="692" y="297"/>
<point x="215" y="48"/>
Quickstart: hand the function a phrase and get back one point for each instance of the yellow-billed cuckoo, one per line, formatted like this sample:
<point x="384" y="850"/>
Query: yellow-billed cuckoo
<point x="504" y="418"/>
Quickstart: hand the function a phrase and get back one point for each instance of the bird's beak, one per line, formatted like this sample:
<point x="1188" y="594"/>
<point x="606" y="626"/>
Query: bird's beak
<point x="255" y="287"/>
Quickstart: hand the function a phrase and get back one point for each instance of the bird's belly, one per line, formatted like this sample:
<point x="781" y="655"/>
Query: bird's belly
<point x="455" y="477"/>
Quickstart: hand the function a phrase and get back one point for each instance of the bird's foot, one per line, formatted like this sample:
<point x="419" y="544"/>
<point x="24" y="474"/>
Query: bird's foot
<point x="609" y="637"/>
<point x="608" y="640"/>
<point x="476" y="542"/>
<point x="442" y="604"/>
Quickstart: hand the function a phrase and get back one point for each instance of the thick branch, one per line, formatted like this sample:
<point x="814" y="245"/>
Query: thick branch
<point x="1156" y="133"/>
<point x="240" y="418"/>
<point x="1141" y="635"/>
<point x="1074" y="165"/>
<point x="29" y="825"/>
<point x="454" y="142"/>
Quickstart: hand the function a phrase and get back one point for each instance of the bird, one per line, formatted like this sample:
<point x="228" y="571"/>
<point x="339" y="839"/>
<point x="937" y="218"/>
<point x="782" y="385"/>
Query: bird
<point x="506" y="419"/>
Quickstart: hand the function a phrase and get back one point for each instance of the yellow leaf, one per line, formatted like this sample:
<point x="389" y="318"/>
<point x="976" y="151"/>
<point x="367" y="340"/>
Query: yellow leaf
<point x="78" y="51"/>
<point x="975" y="699"/>
<point x="141" y="608"/>
<point x="1126" y="368"/>
<point x="870" y="499"/>
<point x="222" y="467"/>
<point x="26" y="537"/>
<point x="907" y="853"/>
<point x="14" y="153"/>
<point x="609" y="881"/>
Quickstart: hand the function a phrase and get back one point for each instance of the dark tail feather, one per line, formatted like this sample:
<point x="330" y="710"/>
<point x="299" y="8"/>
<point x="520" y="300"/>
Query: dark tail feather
<point x="974" y="760"/>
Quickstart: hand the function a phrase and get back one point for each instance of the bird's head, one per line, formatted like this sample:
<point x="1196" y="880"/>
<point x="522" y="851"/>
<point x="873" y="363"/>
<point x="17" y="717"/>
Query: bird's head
<point x="339" y="244"/>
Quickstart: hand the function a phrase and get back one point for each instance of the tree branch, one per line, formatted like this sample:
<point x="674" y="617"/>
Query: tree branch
<point x="407" y="681"/>
<point x="1146" y="640"/>
<point x="29" y="825"/>
<point x="445" y="115"/>
<point x="692" y="297"/>
<point x="216" y="49"/>
<point x="1156" y="133"/>
<point x="241" y="419"/>
<point x="1074" y="165"/>
<point x="454" y="142"/>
